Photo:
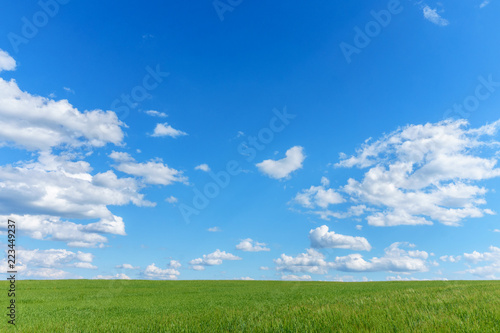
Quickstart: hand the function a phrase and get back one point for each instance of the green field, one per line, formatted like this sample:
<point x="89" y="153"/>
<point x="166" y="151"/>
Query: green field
<point x="254" y="306"/>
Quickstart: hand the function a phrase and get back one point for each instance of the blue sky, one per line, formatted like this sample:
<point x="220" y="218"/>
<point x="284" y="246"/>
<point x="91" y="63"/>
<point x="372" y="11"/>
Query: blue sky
<point x="234" y="139"/>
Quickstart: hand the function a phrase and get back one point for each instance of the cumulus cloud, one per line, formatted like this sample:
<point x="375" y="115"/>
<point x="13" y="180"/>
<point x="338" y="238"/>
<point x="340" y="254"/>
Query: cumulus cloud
<point x="56" y="186"/>
<point x="448" y="258"/>
<point x="154" y="272"/>
<point x="476" y="257"/>
<point x="44" y="227"/>
<point x="246" y="278"/>
<point x="49" y="273"/>
<point x="198" y="267"/>
<point x="7" y="63"/>
<point x="167" y="130"/>
<point x="172" y="200"/>
<point x="118" y="276"/>
<point x="250" y="245"/>
<point x="152" y="172"/>
<point x="399" y="278"/>
<point x="395" y="259"/>
<point x="433" y="16"/>
<point x="283" y="168"/>
<point x="212" y="259"/>
<point x="322" y="238"/>
<point x="490" y="271"/>
<point x="214" y="229"/>
<point x="424" y="173"/>
<point x="40" y="123"/>
<point x="310" y="262"/>
<point x="203" y="167"/>
<point x="48" y="264"/>
<point x="127" y="266"/>
<point x="44" y="194"/>
<point x="292" y="277"/>
<point x="318" y="196"/>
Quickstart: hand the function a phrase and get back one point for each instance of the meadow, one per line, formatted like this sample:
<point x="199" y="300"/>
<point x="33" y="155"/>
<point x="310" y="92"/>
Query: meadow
<point x="254" y="306"/>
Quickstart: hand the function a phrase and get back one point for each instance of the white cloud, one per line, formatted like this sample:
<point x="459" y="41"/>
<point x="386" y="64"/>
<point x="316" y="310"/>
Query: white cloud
<point x="310" y="262"/>
<point x="424" y="173"/>
<point x="418" y="254"/>
<point x="214" y="229"/>
<point x="167" y="130"/>
<point x="399" y="278"/>
<point x="450" y="258"/>
<point x="394" y="260"/>
<point x="318" y="196"/>
<point x="292" y="277"/>
<point x="433" y="16"/>
<point x="152" y="271"/>
<point x="154" y="113"/>
<point x="40" y="194"/>
<point x="7" y="63"/>
<point x="212" y="259"/>
<point x="264" y="268"/>
<point x="283" y="168"/>
<point x="69" y="90"/>
<point x="171" y="199"/>
<point x="475" y="257"/>
<point x="127" y="266"/>
<point x="49" y="273"/>
<point x="250" y="245"/>
<point x="118" y="276"/>
<point x="152" y="172"/>
<point x="39" y="123"/>
<point x="121" y="156"/>
<point x="45" y="227"/>
<point x="322" y="238"/>
<point x="245" y="278"/>
<point x="203" y="167"/>
<point x="85" y="265"/>
<point x="326" y="214"/>
<point x="359" y="227"/>
<point x="47" y="263"/>
<point x="490" y="271"/>
<point x="496" y="230"/>
<point x="484" y="3"/>
<point x="198" y="267"/>
<point x="175" y="264"/>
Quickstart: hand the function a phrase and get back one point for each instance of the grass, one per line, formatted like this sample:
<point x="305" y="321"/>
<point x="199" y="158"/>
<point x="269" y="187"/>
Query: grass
<point x="254" y="306"/>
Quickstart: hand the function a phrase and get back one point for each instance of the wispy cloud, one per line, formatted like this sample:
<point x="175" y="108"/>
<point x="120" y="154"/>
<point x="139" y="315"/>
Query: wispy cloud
<point x="433" y="16"/>
<point x="484" y="3"/>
